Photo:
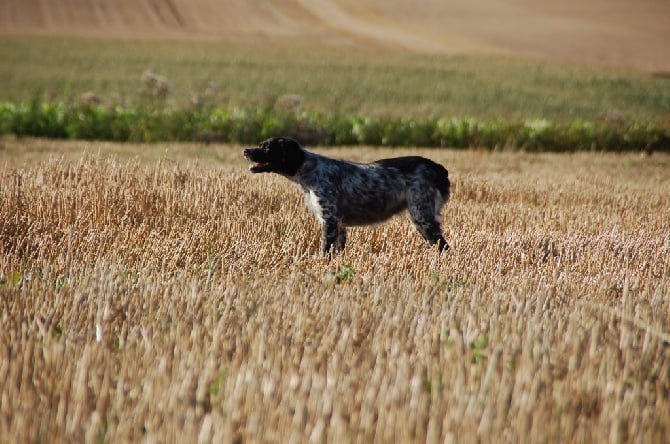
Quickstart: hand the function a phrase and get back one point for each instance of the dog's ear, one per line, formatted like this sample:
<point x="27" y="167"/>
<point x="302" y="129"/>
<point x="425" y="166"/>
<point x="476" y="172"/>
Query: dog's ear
<point x="292" y="156"/>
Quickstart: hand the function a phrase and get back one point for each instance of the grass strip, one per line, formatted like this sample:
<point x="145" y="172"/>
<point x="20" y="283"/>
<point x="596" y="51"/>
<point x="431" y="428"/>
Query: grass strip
<point x="151" y="123"/>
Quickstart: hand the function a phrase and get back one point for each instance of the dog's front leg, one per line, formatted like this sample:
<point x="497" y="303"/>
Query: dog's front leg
<point x="341" y="237"/>
<point x="330" y="233"/>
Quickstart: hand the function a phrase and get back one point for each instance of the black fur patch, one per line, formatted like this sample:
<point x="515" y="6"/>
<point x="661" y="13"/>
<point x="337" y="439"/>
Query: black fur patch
<point x="278" y="155"/>
<point x="409" y="164"/>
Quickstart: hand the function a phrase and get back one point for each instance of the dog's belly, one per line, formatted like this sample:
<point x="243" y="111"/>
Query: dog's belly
<point x="364" y="212"/>
<point x="372" y="211"/>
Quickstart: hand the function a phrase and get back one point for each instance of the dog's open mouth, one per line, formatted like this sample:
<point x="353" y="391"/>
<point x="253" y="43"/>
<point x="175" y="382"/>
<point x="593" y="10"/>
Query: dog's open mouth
<point x="259" y="167"/>
<point x="257" y="157"/>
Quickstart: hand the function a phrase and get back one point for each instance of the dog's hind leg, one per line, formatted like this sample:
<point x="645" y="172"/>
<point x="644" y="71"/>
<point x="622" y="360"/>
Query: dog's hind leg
<point x="341" y="237"/>
<point x="425" y="215"/>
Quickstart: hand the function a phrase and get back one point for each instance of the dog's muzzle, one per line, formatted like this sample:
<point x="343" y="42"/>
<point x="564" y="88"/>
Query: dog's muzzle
<point x="258" y="166"/>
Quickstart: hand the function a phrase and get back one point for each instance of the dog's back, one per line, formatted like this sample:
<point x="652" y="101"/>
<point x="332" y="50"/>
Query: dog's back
<point x="410" y="165"/>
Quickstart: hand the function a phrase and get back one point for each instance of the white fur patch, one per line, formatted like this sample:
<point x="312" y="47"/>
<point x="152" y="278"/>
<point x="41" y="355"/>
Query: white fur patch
<point x="312" y="203"/>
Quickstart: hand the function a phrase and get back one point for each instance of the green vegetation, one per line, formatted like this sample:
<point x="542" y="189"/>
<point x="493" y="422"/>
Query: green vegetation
<point x="215" y="91"/>
<point x="152" y="124"/>
<point x="349" y="81"/>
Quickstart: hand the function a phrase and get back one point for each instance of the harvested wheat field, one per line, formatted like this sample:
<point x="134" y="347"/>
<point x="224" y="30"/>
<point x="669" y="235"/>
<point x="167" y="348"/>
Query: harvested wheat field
<point x="178" y="298"/>
<point x="629" y="33"/>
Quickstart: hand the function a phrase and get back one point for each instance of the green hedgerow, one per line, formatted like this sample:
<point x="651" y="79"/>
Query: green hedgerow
<point x="152" y="123"/>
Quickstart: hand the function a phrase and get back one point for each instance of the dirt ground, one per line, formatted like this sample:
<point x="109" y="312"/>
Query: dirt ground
<point x="630" y="33"/>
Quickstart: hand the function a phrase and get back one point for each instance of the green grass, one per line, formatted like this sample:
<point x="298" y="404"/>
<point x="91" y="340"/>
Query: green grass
<point x="154" y="123"/>
<point x="346" y="81"/>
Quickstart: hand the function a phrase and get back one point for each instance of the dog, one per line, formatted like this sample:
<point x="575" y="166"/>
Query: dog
<point x="342" y="193"/>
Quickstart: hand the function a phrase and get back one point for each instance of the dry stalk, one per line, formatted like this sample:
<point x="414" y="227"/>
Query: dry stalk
<point x="155" y="300"/>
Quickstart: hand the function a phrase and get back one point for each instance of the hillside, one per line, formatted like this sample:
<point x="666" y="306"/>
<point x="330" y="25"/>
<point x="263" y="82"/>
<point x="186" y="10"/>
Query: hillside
<point x="631" y="33"/>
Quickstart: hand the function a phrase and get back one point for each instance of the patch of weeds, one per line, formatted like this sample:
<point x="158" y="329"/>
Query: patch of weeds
<point x="100" y="438"/>
<point x="59" y="283"/>
<point x="455" y="284"/>
<point x="212" y="264"/>
<point x="427" y="386"/>
<point x="345" y="275"/>
<point x="511" y="364"/>
<point x="12" y="279"/>
<point x="458" y="284"/>
<point x="478" y="349"/>
<point x="217" y="383"/>
<point x="57" y="331"/>
<point x="212" y="270"/>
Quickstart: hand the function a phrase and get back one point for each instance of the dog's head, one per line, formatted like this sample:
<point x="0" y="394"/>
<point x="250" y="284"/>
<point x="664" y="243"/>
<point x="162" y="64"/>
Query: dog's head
<point x="276" y="155"/>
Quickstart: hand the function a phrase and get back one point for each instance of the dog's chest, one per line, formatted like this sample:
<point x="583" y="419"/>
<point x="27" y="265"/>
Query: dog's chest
<point x="312" y="202"/>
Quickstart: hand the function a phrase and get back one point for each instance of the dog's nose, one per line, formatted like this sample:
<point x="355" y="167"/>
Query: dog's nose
<point x="247" y="151"/>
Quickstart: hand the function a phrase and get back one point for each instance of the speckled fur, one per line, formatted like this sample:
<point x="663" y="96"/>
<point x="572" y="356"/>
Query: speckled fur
<point x="342" y="193"/>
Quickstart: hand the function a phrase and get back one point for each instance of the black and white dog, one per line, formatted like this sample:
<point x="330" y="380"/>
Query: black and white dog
<point x="342" y="193"/>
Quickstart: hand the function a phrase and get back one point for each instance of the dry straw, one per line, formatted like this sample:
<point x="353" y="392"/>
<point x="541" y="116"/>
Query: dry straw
<point x="175" y="301"/>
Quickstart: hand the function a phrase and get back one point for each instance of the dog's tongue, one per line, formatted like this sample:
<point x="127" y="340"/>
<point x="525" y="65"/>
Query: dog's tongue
<point x="257" y="166"/>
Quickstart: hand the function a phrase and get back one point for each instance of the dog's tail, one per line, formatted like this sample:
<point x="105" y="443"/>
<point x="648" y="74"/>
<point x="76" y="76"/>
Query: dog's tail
<point x="440" y="177"/>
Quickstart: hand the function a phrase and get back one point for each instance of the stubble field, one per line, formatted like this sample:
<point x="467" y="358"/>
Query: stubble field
<point x="175" y="297"/>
